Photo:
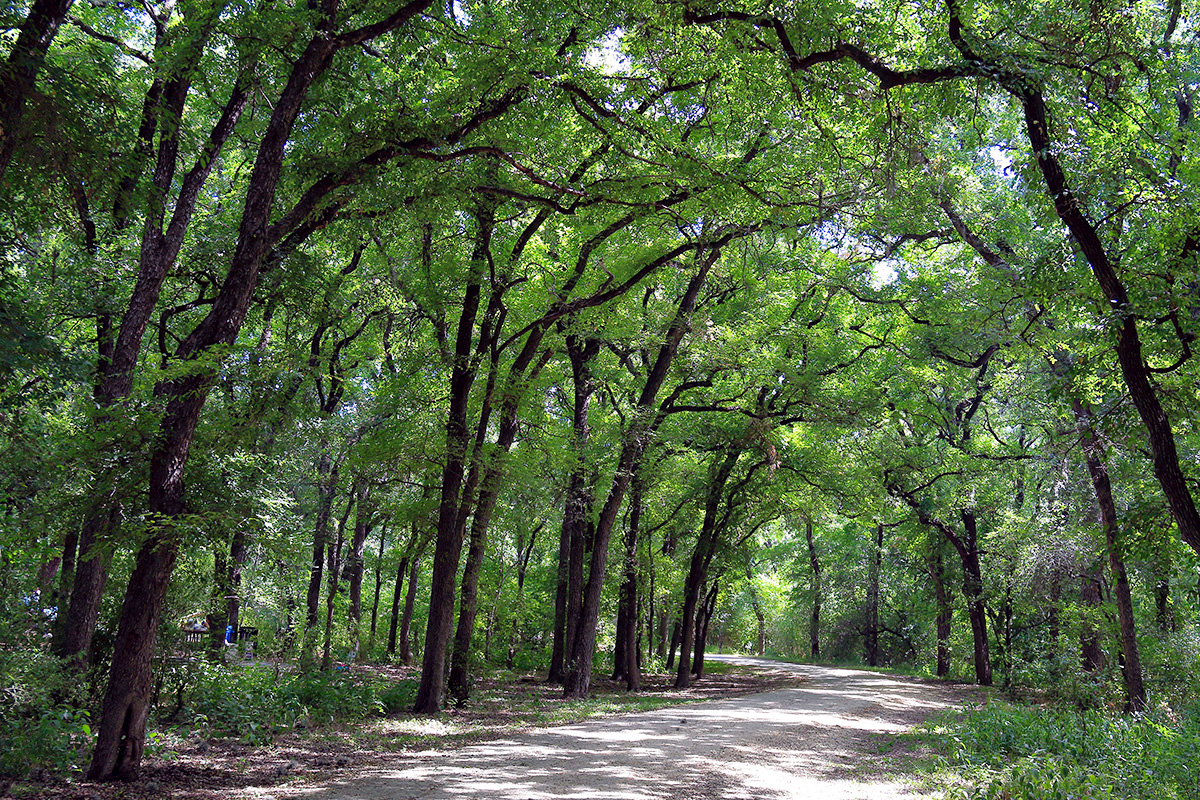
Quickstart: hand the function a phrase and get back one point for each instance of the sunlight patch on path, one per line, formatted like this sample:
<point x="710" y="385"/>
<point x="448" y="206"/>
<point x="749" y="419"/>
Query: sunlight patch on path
<point x="818" y="741"/>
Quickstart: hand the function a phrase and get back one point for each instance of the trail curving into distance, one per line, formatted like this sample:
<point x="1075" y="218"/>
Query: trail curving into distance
<point x="820" y="740"/>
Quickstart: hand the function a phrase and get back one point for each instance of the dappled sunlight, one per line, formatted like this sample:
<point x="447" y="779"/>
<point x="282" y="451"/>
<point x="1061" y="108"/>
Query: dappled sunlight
<point x="812" y="741"/>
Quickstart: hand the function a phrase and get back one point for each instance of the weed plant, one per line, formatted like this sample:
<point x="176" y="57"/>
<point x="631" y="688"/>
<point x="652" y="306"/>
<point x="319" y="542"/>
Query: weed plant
<point x="1006" y="751"/>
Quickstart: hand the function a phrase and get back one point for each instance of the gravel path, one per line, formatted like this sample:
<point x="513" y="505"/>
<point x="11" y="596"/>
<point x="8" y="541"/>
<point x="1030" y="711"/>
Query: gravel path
<point x="816" y="741"/>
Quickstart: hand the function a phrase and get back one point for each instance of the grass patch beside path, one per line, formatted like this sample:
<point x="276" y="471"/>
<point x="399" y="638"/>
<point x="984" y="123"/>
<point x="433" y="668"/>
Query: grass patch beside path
<point x="181" y="765"/>
<point x="1010" y="751"/>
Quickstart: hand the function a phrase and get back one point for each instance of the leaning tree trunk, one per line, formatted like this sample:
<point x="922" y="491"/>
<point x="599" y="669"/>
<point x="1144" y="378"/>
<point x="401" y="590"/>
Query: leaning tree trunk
<point x="121" y="730"/>
<point x="578" y="670"/>
<point x="706" y="545"/>
<point x="1131" y="669"/>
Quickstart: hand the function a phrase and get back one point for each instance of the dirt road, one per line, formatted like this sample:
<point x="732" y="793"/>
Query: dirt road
<point x="817" y="741"/>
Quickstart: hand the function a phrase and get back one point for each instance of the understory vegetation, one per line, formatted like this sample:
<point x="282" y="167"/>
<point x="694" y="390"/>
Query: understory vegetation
<point x="354" y="354"/>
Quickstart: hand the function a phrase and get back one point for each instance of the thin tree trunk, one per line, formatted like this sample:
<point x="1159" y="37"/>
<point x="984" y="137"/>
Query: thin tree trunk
<point x="378" y="587"/>
<point x="355" y="566"/>
<point x="628" y="656"/>
<point x="706" y="544"/>
<point x="945" y="608"/>
<point x="1131" y="668"/>
<point x="578" y="677"/>
<point x="450" y="529"/>
<point x="1091" y="651"/>
<point x="702" y="627"/>
<point x="873" y="569"/>
<point x="333" y="569"/>
<point x="814" y="627"/>
<point x="577" y="506"/>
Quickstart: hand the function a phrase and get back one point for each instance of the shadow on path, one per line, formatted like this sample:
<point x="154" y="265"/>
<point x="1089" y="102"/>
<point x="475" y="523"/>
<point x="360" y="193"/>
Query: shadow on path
<point x="808" y="742"/>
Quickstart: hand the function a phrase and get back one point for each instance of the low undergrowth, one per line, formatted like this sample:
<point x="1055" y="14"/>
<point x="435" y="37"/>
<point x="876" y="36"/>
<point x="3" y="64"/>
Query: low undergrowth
<point x="1007" y="751"/>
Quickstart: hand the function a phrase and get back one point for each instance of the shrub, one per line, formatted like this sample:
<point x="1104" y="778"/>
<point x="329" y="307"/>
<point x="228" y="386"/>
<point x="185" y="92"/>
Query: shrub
<point x="1018" y="752"/>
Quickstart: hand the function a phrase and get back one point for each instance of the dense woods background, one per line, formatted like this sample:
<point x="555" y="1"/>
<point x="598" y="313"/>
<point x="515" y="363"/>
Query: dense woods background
<point x="575" y="338"/>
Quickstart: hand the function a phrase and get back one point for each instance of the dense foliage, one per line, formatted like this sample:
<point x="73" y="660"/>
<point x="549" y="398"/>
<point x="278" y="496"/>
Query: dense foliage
<point x="580" y="338"/>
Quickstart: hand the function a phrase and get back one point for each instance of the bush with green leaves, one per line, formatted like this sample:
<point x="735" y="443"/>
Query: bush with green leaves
<point x="255" y="702"/>
<point x="1022" y="752"/>
<point x="42" y="722"/>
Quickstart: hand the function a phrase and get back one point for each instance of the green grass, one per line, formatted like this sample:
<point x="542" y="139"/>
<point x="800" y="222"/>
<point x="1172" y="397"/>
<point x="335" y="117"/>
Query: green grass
<point x="1006" y="751"/>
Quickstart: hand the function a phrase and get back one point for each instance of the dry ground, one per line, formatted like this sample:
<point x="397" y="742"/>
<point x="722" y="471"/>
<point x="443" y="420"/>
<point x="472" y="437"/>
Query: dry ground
<point x="189" y="768"/>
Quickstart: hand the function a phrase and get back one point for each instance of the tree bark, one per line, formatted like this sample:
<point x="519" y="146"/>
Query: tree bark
<point x="814" y="628"/>
<point x="363" y="522"/>
<point x="450" y="529"/>
<point x="871" y="636"/>
<point x="1131" y="668"/>
<point x="706" y="544"/>
<point x="121" y="730"/>
<point x="522" y="372"/>
<point x="945" y="608"/>
<point x="21" y="69"/>
<point x="577" y="507"/>
<point x="378" y="587"/>
<point x="626" y="659"/>
<point x="1091" y="651"/>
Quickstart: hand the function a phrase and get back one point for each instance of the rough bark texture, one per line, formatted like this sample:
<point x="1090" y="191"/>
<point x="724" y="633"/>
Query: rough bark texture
<point x="871" y="636"/>
<point x="577" y="507"/>
<point x="1091" y="651"/>
<point x="814" y="628"/>
<point x="450" y="529"/>
<point x="121" y="729"/>
<point x="945" y="609"/>
<point x="578" y="672"/>
<point x="1131" y="667"/>
<point x="706" y="544"/>
<point x="21" y="69"/>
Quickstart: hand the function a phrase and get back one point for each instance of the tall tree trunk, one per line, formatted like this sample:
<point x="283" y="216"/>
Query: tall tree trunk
<point x="578" y="676"/>
<point x="20" y="71"/>
<point x="577" y="506"/>
<point x="450" y="529"/>
<point x="121" y="730"/>
<point x="676" y="637"/>
<point x="378" y="587"/>
<point x="703" y="618"/>
<point x="706" y="545"/>
<point x="354" y="567"/>
<point x="973" y="591"/>
<point x="397" y="595"/>
<point x="410" y="601"/>
<point x="871" y="636"/>
<point x="510" y="402"/>
<point x="334" y="575"/>
<point x="814" y="627"/>
<point x="1131" y="668"/>
<point x="760" y="616"/>
<point x="1091" y="651"/>
<point x="945" y="607"/>
<point x="327" y="478"/>
<point x="627" y="660"/>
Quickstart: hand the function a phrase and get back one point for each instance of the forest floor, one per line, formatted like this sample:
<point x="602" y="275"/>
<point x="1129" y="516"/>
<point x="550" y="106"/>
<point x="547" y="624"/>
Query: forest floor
<point x="772" y="730"/>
